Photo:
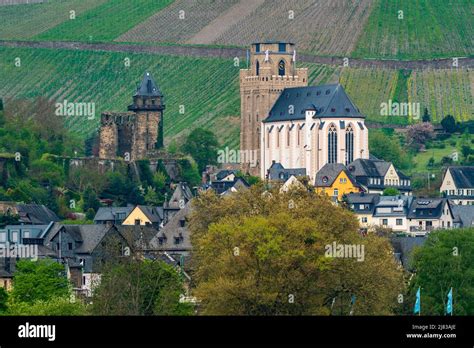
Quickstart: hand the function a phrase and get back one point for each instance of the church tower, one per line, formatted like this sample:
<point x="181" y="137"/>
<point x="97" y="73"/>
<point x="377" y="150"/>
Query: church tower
<point x="272" y="69"/>
<point x="148" y="107"/>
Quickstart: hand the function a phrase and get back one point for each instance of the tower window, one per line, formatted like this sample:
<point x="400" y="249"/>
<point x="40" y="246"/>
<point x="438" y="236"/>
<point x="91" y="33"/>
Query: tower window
<point x="281" y="68"/>
<point x="257" y="67"/>
<point x="349" y="145"/>
<point x="332" y="144"/>
<point x="281" y="47"/>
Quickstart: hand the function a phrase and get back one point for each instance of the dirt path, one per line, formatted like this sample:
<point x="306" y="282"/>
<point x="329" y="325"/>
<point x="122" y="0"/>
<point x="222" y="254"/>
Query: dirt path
<point x="221" y="24"/>
<point x="230" y="53"/>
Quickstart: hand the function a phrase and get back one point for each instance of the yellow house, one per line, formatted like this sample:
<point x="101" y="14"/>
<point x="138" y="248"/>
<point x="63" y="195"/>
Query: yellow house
<point x="144" y="215"/>
<point x="335" y="180"/>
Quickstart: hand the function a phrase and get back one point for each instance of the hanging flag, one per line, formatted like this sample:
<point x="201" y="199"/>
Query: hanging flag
<point x="248" y="58"/>
<point x="294" y="56"/>
<point x="449" y="305"/>
<point x="417" y="309"/>
<point x="353" y="300"/>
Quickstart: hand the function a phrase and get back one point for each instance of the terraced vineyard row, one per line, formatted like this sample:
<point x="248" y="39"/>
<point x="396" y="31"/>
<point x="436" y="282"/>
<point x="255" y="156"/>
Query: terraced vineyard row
<point x="204" y="91"/>
<point x="27" y="20"/>
<point x="428" y="29"/>
<point x="105" y="22"/>
<point x="319" y="27"/>
<point x="444" y="92"/>
<point x="178" y="22"/>
<point x="207" y="89"/>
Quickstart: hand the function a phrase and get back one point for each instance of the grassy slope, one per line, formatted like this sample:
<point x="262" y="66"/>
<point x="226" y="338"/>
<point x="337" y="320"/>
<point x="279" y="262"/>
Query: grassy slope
<point x="206" y="87"/>
<point x="26" y="21"/>
<point x="105" y="22"/>
<point x="429" y="29"/>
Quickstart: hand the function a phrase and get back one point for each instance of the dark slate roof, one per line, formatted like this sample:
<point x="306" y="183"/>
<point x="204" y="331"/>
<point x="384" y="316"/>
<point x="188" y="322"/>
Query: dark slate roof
<point x="426" y="208"/>
<point x="88" y="235"/>
<point x="181" y="192"/>
<point x="464" y="214"/>
<point x="224" y="173"/>
<point x="365" y="167"/>
<point x="280" y="173"/>
<point x="328" y="100"/>
<point x="329" y="172"/>
<point x="138" y="236"/>
<point x="36" y="214"/>
<point x="356" y="199"/>
<point x="154" y="214"/>
<point x="403" y="248"/>
<point x="109" y="213"/>
<point x="148" y="87"/>
<point x="222" y="186"/>
<point x="463" y="176"/>
<point x="174" y="230"/>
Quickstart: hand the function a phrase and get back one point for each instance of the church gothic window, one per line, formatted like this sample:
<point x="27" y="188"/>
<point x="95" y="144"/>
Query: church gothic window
<point x="258" y="68"/>
<point x="332" y="144"/>
<point x="281" y="68"/>
<point x="349" y="145"/>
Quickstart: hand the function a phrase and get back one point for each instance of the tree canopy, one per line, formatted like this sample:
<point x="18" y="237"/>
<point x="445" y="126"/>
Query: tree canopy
<point x="259" y="252"/>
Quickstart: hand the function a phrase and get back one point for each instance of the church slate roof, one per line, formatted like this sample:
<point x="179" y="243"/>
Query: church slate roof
<point x="463" y="176"/>
<point x="148" y="87"/>
<point x="328" y="100"/>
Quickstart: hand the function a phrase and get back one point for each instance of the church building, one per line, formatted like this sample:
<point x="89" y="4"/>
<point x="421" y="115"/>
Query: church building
<point x="288" y="122"/>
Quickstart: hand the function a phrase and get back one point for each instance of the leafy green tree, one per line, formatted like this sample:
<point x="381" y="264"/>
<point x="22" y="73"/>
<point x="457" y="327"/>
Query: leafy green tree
<point x="90" y="200"/>
<point x="388" y="148"/>
<point x="446" y="260"/>
<point x="391" y="191"/>
<point x="426" y="116"/>
<point x="3" y="300"/>
<point x="189" y="172"/>
<point x="261" y="252"/>
<point x="55" y="306"/>
<point x="449" y="124"/>
<point x="39" y="280"/>
<point x="136" y="287"/>
<point x="202" y="145"/>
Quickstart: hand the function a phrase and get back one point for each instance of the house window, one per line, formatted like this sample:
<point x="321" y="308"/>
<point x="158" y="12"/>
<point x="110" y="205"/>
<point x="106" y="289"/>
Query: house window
<point x="281" y="47"/>
<point x="182" y="222"/>
<point x="399" y="222"/>
<point x="281" y="68"/>
<point x="137" y="222"/>
<point x="385" y="222"/>
<point x="349" y="145"/>
<point x="364" y="219"/>
<point x="332" y="144"/>
<point x="336" y="192"/>
<point x="58" y="246"/>
<point x="176" y="240"/>
<point x="69" y="246"/>
<point x="83" y="280"/>
<point x="26" y="234"/>
<point x="361" y="206"/>
<point x="257" y="48"/>
<point x="449" y="224"/>
<point x="3" y="237"/>
<point x="15" y="237"/>
<point x="342" y="180"/>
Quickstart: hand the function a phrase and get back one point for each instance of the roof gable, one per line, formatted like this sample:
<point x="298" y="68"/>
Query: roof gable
<point x="327" y="100"/>
<point x="463" y="176"/>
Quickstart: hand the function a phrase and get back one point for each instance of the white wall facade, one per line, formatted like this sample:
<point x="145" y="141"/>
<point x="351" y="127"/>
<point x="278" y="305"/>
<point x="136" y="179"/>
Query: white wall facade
<point x="302" y="144"/>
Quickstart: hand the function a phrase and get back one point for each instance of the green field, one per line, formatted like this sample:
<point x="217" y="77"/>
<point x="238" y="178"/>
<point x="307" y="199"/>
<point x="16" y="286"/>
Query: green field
<point x="429" y="29"/>
<point x="25" y="21"/>
<point x="105" y="22"/>
<point x="208" y="88"/>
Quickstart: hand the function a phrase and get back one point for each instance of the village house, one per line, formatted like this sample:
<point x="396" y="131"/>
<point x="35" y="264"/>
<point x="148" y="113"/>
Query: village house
<point x="458" y="184"/>
<point x="428" y="214"/>
<point x="363" y="205"/>
<point x="376" y="175"/>
<point x="336" y="181"/>
<point x="392" y="211"/>
<point x="112" y="215"/>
